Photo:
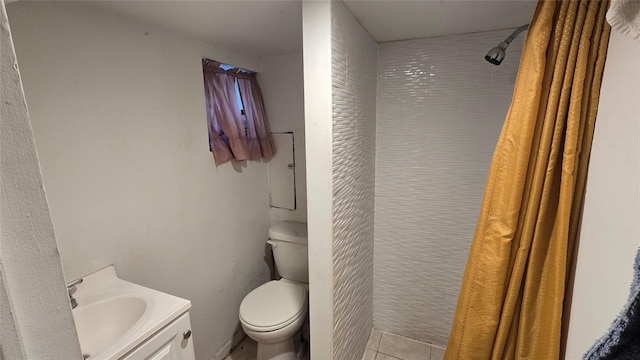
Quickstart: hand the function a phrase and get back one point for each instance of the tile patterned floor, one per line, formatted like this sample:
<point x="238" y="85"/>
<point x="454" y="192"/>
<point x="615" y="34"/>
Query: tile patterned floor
<point x="246" y="350"/>
<point x="381" y="346"/>
<point x="386" y="346"/>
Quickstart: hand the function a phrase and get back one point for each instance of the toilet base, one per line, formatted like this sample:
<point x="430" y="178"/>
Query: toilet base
<point x="284" y="350"/>
<point x="278" y="344"/>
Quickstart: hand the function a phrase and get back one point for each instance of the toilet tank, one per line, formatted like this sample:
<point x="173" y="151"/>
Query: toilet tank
<point x="289" y="244"/>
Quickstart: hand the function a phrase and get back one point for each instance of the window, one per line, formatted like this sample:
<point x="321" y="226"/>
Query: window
<point x="236" y="119"/>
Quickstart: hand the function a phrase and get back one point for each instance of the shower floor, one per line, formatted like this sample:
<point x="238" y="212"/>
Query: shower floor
<point x="386" y="346"/>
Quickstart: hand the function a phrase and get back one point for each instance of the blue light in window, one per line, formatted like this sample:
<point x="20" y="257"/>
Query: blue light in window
<point x="238" y="98"/>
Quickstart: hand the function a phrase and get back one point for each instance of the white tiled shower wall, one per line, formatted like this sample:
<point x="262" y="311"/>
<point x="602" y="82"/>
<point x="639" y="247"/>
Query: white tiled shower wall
<point x="440" y="110"/>
<point x="354" y="125"/>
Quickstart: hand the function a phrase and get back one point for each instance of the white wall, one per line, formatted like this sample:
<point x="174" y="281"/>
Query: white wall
<point x="282" y="84"/>
<point x="354" y="60"/>
<point x="610" y="232"/>
<point x="339" y="90"/>
<point x="119" y="121"/>
<point x="316" y="30"/>
<point x="441" y="107"/>
<point x="35" y="313"/>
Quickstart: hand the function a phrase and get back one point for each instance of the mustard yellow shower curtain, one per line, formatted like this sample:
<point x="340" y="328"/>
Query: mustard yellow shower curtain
<point x="511" y="301"/>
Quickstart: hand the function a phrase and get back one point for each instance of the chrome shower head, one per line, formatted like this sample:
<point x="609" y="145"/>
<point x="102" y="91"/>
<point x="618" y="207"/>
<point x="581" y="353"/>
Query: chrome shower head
<point x="497" y="54"/>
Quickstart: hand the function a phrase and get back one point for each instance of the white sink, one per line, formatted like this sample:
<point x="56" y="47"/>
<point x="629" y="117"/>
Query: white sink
<point x="102" y="323"/>
<point x="113" y="316"/>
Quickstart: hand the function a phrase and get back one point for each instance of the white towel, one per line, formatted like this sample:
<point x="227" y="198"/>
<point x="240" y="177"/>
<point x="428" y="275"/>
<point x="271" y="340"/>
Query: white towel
<point x="624" y="17"/>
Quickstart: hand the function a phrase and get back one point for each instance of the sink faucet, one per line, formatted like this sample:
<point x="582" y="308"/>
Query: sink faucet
<point x="70" y="287"/>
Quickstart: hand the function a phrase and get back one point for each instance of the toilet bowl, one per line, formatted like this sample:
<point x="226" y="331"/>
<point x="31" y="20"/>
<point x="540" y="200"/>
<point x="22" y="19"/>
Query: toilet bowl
<point x="274" y="312"/>
<point x="271" y="315"/>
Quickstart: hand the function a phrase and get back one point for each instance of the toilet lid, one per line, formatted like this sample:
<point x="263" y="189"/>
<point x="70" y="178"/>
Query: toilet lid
<point x="273" y="305"/>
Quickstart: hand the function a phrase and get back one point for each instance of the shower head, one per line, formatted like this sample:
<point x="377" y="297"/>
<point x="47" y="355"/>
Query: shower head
<point x="497" y="54"/>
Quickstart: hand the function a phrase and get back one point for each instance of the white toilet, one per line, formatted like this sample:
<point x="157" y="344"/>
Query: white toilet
<point x="274" y="312"/>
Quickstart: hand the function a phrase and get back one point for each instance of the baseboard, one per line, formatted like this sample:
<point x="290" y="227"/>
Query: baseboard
<point x="230" y="344"/>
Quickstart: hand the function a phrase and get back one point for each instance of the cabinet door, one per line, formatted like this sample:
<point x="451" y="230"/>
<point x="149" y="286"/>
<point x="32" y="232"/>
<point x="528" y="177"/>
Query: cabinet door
<point x="167" y="344"/>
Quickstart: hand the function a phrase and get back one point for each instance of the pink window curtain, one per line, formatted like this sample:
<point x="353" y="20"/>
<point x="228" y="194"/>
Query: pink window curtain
<point x="229" y="136"/>
<point x="260" y="143"/>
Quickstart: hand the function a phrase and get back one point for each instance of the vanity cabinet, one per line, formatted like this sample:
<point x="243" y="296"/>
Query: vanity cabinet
<point x="173" y="342"/>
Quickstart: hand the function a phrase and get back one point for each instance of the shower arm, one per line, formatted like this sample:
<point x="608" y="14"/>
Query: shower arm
<point x="514" y="34"/>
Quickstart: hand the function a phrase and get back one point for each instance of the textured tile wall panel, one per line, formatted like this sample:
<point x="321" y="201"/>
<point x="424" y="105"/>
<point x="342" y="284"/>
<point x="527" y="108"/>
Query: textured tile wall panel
<point x="440" y="110"/>
<point x="354" y="56"/>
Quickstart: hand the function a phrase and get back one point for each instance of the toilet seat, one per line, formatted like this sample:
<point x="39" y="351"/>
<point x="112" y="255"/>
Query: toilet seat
<point x="273" y="306"/>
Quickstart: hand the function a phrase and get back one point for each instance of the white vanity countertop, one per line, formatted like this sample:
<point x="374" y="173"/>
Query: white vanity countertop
<point x="114" y="316"/>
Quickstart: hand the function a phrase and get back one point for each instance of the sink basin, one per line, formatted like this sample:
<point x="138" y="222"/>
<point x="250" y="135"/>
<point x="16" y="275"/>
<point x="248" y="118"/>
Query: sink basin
<point x="101" y="323"/>
<point x="114" y="316"/>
